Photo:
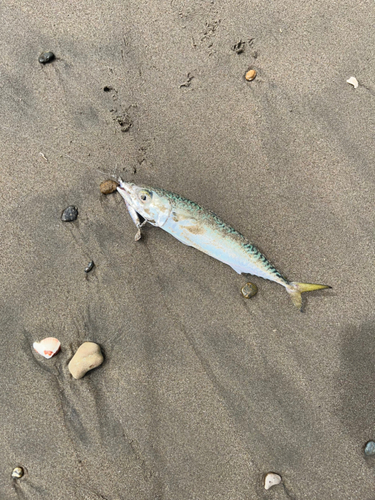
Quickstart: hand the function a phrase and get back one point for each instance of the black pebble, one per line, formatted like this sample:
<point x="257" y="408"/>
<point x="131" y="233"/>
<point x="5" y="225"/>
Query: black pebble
<point x="46" y="57"/>
<point x="90" y="266"/>
<point x="69" y="214"/>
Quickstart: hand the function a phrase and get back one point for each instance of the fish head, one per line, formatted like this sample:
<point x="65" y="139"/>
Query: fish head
<point x="152" y="206"/>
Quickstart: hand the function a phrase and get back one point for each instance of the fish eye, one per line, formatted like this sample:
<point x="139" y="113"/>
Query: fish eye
<point x="144" y="195"/>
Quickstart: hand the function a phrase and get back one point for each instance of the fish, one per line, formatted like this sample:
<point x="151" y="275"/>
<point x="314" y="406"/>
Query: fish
<point x="202" y="229"/>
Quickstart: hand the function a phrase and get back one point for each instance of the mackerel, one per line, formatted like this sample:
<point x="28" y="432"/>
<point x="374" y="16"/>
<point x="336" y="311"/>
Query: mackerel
<point x="202" y="229"/>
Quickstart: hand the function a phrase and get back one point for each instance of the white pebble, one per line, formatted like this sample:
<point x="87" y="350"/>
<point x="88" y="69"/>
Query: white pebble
<point x="271" y="479"/>
<point x="353" y="81"/>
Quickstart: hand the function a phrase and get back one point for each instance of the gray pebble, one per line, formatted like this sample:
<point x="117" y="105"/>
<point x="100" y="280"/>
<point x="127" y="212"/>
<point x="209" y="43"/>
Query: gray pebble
<point x="370" y="449"/>
<point x="90" y="266"/>
<point x="69" y="214"/>
<point x="46" y="57"/>
<point x="17" y="472"/>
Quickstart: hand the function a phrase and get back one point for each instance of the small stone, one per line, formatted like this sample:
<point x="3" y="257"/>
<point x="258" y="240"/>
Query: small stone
<point x="249" y="290"/>
<point x="90" y="266"/>
<point x="353" y="81"/>
<point x="17" y="472"/>
<point x="87" y="357"/>
<point x="69" y="214"/>
<point x="271" y="479"/>
<point x="46" y="57"/>
<point x="108" y="187"/>
<point x="370" y="449"/>
<point x="250" y="75"/>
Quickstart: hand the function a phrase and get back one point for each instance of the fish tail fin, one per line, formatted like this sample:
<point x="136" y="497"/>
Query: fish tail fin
<point x="296" y="289"/>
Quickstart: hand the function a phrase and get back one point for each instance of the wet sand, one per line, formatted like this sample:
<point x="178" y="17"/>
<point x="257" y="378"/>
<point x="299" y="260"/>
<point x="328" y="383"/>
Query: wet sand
<point x="202" y="392"/>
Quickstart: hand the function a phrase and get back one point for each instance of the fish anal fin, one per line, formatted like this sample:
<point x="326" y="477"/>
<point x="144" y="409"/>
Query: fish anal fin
<point x="238" y="270"/>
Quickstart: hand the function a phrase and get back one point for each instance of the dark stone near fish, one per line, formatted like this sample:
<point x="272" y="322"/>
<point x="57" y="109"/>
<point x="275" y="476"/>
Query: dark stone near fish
<point x="249" y="290"/>
<point x="46" y="57"/>
<point x="17" y="472"/>
<point x="69" y="214"/>
<point x="90" y="266"/>
<point x="370" y="449"/>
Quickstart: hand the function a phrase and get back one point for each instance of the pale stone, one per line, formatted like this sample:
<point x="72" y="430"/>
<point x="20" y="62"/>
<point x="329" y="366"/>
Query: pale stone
<point x="271" y="479"/>
<point x="353" y="81"/>
<point x="87" y="357"/>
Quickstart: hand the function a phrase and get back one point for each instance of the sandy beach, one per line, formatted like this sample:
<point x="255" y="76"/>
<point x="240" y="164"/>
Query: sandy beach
<point x="201" y="392"/>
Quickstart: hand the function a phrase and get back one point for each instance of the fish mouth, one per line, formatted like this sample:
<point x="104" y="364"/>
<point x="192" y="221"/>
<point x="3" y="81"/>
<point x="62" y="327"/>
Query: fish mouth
<point x="125" y="186"/>
<point x="126" y="190"/>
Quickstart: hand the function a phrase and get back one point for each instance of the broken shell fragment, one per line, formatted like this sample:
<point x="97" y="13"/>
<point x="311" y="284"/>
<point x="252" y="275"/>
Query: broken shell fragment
<point x="17" y="472"/>
<point x="250" y="75"/>
<point x="249" y="290"/>
<point x="353" y="81"/>
<point x="87" y="357"/>
<point x="47" y="347"/>
<point x="271" y="479"/>
<point x="108" y="187"/>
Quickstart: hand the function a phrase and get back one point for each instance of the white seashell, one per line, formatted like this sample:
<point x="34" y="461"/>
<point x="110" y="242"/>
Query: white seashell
<point x="47" y="347"/>
<point x="271" y="479"/>
<point x="353" y="81"/>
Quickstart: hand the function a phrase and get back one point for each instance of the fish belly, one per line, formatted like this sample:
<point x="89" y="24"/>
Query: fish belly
<point x="223" y="248"/>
